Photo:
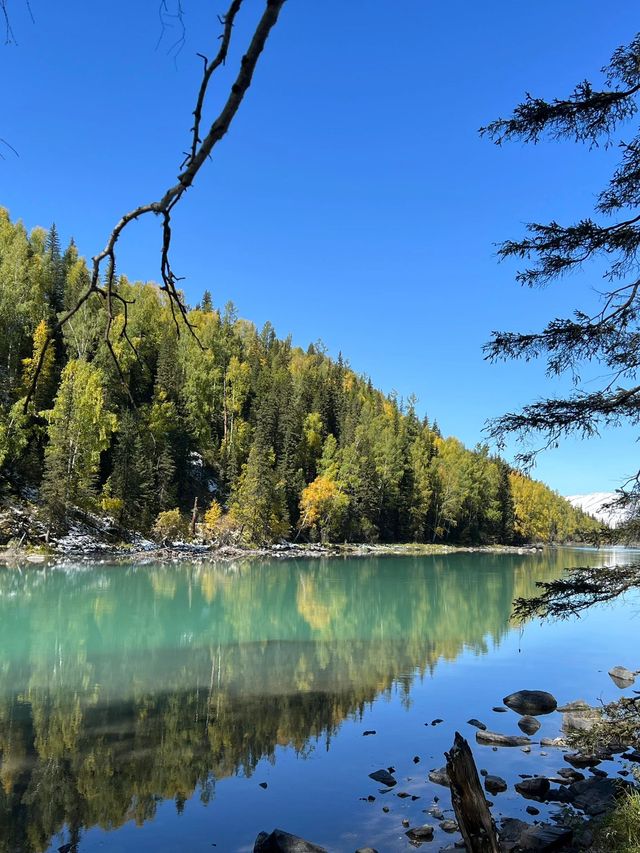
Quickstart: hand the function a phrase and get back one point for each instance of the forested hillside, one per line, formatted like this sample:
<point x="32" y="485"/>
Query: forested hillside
<point x="274" y="441"/>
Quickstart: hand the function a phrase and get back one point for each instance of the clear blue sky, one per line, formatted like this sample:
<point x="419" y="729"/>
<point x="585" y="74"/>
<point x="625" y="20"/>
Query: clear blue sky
<point x="353" y="199"/>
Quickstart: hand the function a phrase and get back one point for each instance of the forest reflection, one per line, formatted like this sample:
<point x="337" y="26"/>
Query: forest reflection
<point x="122" y="686"/>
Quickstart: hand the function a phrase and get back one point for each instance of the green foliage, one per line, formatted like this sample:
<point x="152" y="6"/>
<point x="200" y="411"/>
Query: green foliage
<point x="257" y="499"/>
<point x="80" y="428"/>
<point x="287" y="439"/>
<point x="170" y="525"/>
<point x="620" y="830"/>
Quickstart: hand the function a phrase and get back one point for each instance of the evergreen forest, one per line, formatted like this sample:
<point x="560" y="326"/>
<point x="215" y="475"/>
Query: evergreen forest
<point x="269" y="440"/>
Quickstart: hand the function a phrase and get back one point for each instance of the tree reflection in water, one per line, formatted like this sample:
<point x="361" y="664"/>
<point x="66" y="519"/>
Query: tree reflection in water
<point x="122" y="686"/>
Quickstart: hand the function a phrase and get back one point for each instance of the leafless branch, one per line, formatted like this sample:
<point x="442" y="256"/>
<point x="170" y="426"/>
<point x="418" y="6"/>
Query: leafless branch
<point x="168" y="20"/>
<point x="200" y="150"/>
<point x="7" y="145"/>
<point x="9" y="35"/>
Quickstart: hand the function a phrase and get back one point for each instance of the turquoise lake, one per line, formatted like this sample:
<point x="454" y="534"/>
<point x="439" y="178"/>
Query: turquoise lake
<point x="142" y="706"/>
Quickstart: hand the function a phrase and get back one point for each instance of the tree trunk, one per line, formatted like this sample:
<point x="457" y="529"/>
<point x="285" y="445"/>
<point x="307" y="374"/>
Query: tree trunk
<point x="468" y="800"/>
<point x="194" y="517"/>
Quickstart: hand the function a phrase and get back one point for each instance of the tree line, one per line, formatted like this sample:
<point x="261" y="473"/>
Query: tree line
<point x="273" y="441"/>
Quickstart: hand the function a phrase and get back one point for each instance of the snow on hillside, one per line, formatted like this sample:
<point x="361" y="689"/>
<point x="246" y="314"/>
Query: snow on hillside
<point x="595" y="504"/>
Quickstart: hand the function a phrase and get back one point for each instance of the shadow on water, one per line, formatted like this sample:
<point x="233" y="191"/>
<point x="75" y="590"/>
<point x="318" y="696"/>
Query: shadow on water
<point x="122" y="686"/>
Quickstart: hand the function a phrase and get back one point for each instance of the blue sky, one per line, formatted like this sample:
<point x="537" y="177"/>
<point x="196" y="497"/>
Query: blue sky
<point x="353" y="199"/>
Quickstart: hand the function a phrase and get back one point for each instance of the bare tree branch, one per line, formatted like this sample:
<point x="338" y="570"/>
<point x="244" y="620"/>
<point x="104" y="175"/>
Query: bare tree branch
<point x="200" y="150"/>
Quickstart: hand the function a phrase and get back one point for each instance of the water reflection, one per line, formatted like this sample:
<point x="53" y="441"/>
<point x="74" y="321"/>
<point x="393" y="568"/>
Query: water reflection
<point x="121" y="686"/>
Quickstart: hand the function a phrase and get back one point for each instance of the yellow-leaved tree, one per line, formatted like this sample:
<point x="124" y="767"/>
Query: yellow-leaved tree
<point x="323" y="505"/>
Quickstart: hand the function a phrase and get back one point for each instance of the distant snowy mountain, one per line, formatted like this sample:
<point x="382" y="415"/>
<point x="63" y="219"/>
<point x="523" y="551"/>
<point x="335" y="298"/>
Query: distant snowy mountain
<point x="595" y="504"/>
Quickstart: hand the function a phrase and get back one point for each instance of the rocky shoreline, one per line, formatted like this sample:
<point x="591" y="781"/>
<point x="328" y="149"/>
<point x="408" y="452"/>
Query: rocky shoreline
<point x="584" y="796"/>
<point x="583" y="792"/>
<point x="24" y="538"/>
<point x="187" y="552"/>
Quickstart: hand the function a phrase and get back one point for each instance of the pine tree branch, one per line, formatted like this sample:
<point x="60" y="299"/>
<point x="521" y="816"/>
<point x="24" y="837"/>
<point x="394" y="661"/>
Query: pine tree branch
<point x="577" y="591"/>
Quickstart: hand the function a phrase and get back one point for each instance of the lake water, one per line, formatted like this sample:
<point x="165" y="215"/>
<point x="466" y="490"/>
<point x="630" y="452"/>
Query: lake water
<point x="142" y="706"/>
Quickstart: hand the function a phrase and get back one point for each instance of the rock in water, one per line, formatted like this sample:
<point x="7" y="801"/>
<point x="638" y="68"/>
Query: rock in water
<point x="545" y="838"/>
<point x="420" y="833"/>
<point x="579" y="759"/>
<point x="582" y="721"/>
<point x="439" y="777"/>
<point x="477" y="724"/>
<point x="280" y="841"/>
<point x="579" y="705"/>
<point x="532" y="702"/>
<point x="449" y="826"/>
<point x="536" y="788"/>
<point x="553" y="741"/>
<point x="622" y="677"/>
<point x="510" y="831"/>
<point x="570" y="775"/>
<point x="529" y="725"/>
<point x="384" y="777"/>
<point x="496" y="739"/>
<point x="595" y="796"/>
<point x="494" y="784"/>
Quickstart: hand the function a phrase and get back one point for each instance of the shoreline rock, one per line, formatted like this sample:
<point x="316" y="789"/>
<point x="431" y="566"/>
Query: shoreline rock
<point x="497" y="739"/>
<point x="532" y="703"/>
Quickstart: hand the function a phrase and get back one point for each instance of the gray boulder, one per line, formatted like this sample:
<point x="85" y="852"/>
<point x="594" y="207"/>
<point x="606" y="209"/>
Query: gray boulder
<point x="545" y="838"/>
<point x="494" y="784"/>
<point x="578" y="705"/>
<point x="595" y="796"/>
<point x="581" y="760"/>
<point x="568" y="775"/>
<point x="536" y="788"/>
<point x="440" y="777"/>
<point x="280" y="841"/>
<point x="497" y="739"/>
<point x="622" y="677"/>
<point x="533" y="702"/>
<point x="477" y="724"/>
<point x="581" y="721"/>
<point x="553" y="741"/>
<point x="510" y="831"/>
<point x="420" y="833"/>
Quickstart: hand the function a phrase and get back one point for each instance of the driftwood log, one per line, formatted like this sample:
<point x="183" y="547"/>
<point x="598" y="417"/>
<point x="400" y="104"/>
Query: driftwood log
<point x="468" y="800"/>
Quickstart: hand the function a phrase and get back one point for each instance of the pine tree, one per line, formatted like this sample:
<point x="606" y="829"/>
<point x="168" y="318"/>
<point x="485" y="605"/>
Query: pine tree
<point x="130" y="486"/>
<point x="258" y="498"/>
<point x="207" y="303"/>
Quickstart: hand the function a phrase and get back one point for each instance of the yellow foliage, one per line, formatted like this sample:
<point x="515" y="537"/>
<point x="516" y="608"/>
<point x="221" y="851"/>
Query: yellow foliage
<point x="322" y="504"/>
<point x="111" y="506"/>
<point x="169" y="525"/>
<point x="212" y="516"/>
